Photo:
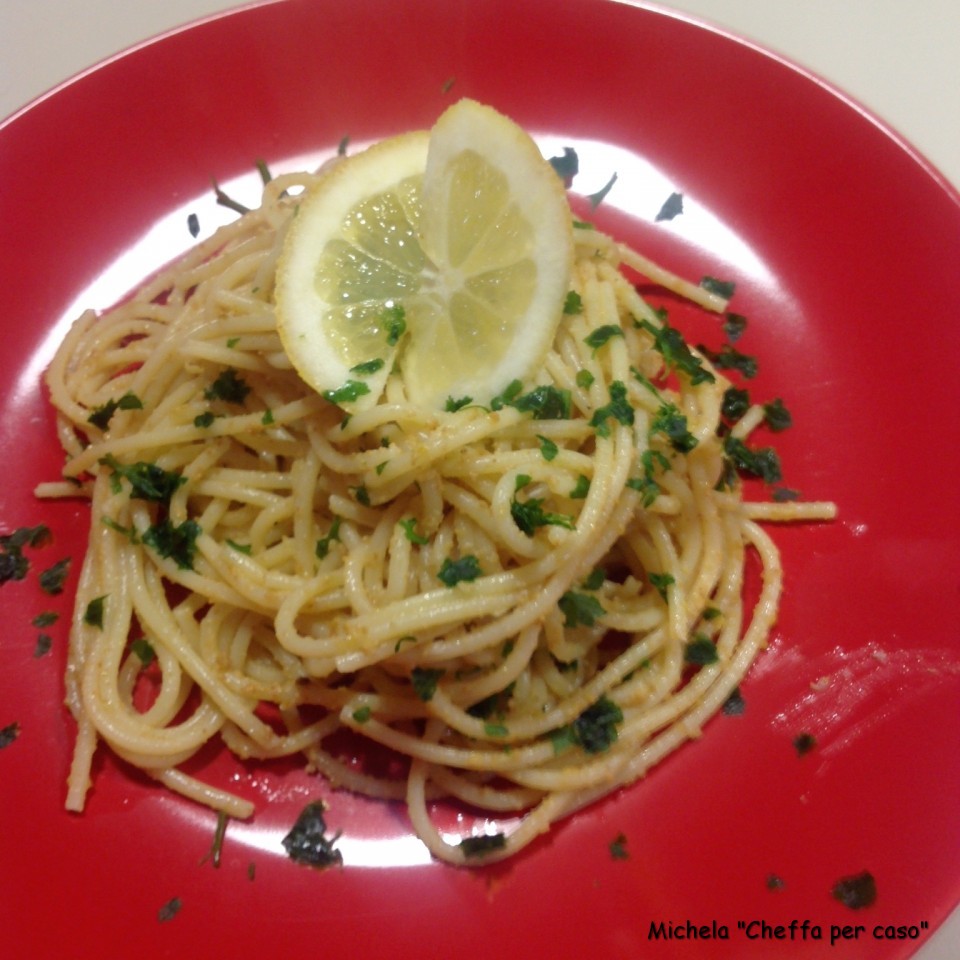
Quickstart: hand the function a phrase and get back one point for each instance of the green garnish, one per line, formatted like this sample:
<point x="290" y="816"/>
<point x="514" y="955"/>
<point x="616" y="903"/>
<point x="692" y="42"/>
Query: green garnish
<point x="618" y="847"/>
<point x="362" y="714"/>
<point x="323" y="544"/>
<point x="596" y="728"/>
<point x="367" y="368"/>
<point x="722" y="288"/>
<point x="672" y="424"/>
<point x="672" y="207"/>
<point x="482" y="845"/>
<point x="8" y="734"/>
<point x="567" y="165"/>
<point x="350" y="391"/>
<point x="730" y="358"/>
<point x="53" y="578"/>
<point x="580" y="609"/>
<point x="544" y="402"/>
<point x="585" y="379"/>
<point x="777" y="416"/>
<point x="701" y="651"/>
<point x="169" y="910"/>
<point x="856" y="892"/>
<point x="93" y="615"/>
<point x="762" y="462"/>
<point x="660" y="582"/>
<point x="307" y="842"/>
<point x="452" y="405"/>
<point x="601" y="335"/>
<point x="424" y="681"/>
<point x="143" y="650"/>
<point x="597" y="198"/>
<point x="204" y="419"/>
<point x="529" y="514"/>
<point x="573" y="304"/>
<point x="735" y="403"/>
<point x="229" y="387"/>
<point x="147" y="480"/>
<point x="581" y="488"/>
<point x="394" y="318"/>
<point x="174" y="542"/>
<point x="669" y="343"/>
<point x="803" y="743"/>
<point x="733" y="326"/>
<point x="453" y="572"/>
<point x="618" y="409"/>
<point x="409" y="528"/>
<point x="548" y="449"/>
<point x="102" y="415"/>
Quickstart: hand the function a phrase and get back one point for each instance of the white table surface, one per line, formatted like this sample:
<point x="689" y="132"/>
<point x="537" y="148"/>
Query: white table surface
<point x="900" y="59"/>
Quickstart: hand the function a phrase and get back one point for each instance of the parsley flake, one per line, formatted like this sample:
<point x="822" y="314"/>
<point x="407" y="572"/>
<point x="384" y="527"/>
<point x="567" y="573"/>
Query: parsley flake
<point x="453" y="572"/>
<point x="229" y="387"/>
<point x="307" y="843"/>
<point x="672" y="207"/>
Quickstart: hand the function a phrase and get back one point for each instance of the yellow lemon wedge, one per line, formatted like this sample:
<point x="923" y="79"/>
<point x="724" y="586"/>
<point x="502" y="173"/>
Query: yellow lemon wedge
<point x="442" y="257"/>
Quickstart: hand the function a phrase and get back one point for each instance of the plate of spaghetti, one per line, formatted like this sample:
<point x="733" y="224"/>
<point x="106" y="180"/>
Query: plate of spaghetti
<point x="635" y="635"/>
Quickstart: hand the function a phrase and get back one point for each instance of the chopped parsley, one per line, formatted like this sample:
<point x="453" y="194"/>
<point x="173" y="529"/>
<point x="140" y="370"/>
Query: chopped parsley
<point x="618" y="847"/>
<point x="362" y="714"/>
<point x="730" y="358"/>
<point x="618" y="409"/>
<point x="204" y="419"/>
<point x="323" y="544"/>
<point x="453" y="405"/>
<point x="193" y="225"/>
<point x="480" y="846"/>
<point x="585" y="379"/>
<point x="244" y="548"/>
<point x="762" y="462"/>
<point x="595" y="730"/>
<point x="672" y="424"/>
<point x="734" y="705"/>
<point x="735" y="403"/>
<point x="43" y="645"/>
<point x="548" y="449"/>
<point x="453" y="572"/>
<point x="147" y="480"/>
<point x="142" y="649"/>
<point x="394" y="318"/>
<point x="169" y="910"/>
<point x="734" y="325"/>
<point x="573" y="304"/>
<point x="529" y="514"/>
<point x="660" y="582"/>
<point x="580" y="489"/>
<point x="597" y="198"/>
<point x="350" y="391"/>
<point x="700" y="651"/>
<point x="93" y="615"/>
<point x="229" y="387"/>
<point x="857" y="891"/>
<point x="410" y="531"/>
<point x="101" y="416"/>
<point x="601" y="335"/>
<point x="803" y="743"/>
<point x="307" y="842"/>
<point x="424" y="681"/>
<point x="580" y="609"/>
<point x="174" y="542"/>
<point x="777" y="416"/>
<point x="672" y="207"/>
<point x="53" y="578"/>
<point x="722" y="288"/>
<point x="14" y="564"/>
<point x="368" y="368"/>
<point x="8" y="734"/>
<point x="669" y="343"/>
<point x="567" y="165"/>
<point x="45" y="619"/>
<point x="216" y="847"/>
<point x="544" y="402"/>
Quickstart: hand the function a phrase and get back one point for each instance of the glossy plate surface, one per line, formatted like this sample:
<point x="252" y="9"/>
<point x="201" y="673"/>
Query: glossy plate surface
<point x="844" y="249"/>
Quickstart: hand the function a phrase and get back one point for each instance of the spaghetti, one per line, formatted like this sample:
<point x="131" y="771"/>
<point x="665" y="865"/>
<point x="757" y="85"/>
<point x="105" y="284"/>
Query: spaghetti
<point x="532" y="602"/>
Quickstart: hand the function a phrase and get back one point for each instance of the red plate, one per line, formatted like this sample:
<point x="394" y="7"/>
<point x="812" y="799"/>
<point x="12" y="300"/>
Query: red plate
<point x="844" y="248"/>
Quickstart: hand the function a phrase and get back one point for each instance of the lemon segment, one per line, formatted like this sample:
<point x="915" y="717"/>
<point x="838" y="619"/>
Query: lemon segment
<point x="441" y="256"/>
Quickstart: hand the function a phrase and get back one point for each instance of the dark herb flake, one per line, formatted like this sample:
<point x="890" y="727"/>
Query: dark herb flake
<point x="857" y="891"/>
<point x="618" y="409"/>
<point x="169" y="910"/>
<point x="677" y="355"/>
<point x="803" y="743"/>
<point x="618" y="847"/>
<point x="722" y="288"/>
<point x="453" y="572"/>
<point x="177" y="542"/>
<point x="482" y="845"/>
<point x="580" y="609"/>
<point x="53" y="578"/>
<point x="101" y="416"/>
<point x="93" y="615"/>
<point x="597" y="198"/>
<point x="8" y="734"/>
<point x="672" y="207"/>
<point x="777" y="416"/>
<point x="734" y="325"/>
<point x="307" y="842"/>
<point x="229" y="387"/>
<point x="734" y="705"/>
<point x="601" y="335"/>
<point x="567" y="165"/>
<point x="147" y="480"/>
<point x="424" y="681"/>
<point x="573" y="303"/>
<point x="700" y="651"/>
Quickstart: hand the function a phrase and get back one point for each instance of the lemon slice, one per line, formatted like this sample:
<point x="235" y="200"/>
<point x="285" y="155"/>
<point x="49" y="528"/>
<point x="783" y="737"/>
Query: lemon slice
<point x="442" y="256"/>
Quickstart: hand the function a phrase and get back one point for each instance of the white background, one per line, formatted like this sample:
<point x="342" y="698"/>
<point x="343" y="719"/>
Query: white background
<point x="898" y="58"/>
